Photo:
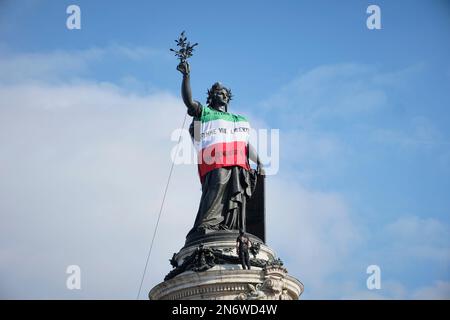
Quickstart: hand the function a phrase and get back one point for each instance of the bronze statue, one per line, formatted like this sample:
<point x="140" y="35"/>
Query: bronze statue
<point x="224" y="153"/>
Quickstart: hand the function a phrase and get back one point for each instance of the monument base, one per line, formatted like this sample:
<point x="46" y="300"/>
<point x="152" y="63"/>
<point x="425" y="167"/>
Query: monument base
<point x="230" y="283"/>
<point x="212" y="271"/>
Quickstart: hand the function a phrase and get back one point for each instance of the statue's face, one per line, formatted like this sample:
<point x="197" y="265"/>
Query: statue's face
<point x="220" y="99"/>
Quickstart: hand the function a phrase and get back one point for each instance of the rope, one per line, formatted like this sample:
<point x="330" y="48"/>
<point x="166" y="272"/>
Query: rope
<point x="160" y="212"/>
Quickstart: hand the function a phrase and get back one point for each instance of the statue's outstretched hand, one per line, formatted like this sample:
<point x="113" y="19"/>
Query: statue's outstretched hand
<point x="184" y="68"/>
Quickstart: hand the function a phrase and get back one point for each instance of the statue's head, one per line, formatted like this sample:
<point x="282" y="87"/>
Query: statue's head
<point x="219" y="97"/>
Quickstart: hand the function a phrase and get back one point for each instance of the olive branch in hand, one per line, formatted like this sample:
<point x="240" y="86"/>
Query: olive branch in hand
<point x="186" y="49"/>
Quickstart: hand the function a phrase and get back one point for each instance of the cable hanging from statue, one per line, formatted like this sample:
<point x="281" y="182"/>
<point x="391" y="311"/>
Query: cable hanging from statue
<point x="185" y="52"/>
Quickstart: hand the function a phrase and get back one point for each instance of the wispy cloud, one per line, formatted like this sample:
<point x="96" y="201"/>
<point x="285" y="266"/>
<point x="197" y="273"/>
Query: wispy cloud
<point x="328" y="113"/>
<point x="81" y="173"/>
<point x="315" y="232"/>
<point x="439" y="290"/>
<point x="333" y="91"/>
<point x="64" y="66"/>
<point x="420" y="132"/>
<point x="329" y="116"/>
<point x="412" y="238"/>
<point x="45" y="66"/>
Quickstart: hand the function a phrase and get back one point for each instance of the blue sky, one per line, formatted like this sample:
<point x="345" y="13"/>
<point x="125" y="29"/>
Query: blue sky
<point x="363" y="118"/>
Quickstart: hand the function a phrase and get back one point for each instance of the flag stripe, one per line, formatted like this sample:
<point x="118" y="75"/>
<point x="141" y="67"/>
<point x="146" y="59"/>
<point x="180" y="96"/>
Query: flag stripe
<point x="218" y="131"/>
<point x="222" y="155"/>
<point x="209" y="114"/>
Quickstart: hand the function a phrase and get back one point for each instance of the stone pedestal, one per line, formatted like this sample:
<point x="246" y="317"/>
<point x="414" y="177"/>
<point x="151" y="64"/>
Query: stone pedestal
<point x="210" y="270"/>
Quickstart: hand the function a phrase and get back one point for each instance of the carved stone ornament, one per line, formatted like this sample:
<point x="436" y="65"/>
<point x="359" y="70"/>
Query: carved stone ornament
<point x="274" y="286"/>
<point x="204" y="258"/>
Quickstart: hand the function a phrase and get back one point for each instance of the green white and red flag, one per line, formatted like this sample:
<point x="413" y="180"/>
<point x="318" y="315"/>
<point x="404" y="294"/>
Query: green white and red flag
<point x="221" y="140"/>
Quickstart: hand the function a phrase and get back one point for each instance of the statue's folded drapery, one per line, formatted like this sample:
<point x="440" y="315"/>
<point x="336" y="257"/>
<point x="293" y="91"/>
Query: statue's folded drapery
<point x="224" y="191"/>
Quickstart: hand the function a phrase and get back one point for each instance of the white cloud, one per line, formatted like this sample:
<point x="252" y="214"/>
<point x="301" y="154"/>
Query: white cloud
<point x="411" y="237"/>
<point x="307" y="153"/>
<point x="334" y="91"/>
<point x="325" y="114"/>
<point x="416" y="230"/>
<point x="82" y="170"/>
<point x="64" y="66"/>
<point x="389" y="290"/>
<point x="82" y="173"/>
<point x="438" y="291"/>
<point x="420" y="132"/>
<point x="314" y="232"/>
<point x="50" y="66"/>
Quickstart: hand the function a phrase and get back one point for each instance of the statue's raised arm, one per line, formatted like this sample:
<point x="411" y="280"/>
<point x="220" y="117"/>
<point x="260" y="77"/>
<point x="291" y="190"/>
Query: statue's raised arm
<point x="184" y="51"/>
<point x="194" y="107"/>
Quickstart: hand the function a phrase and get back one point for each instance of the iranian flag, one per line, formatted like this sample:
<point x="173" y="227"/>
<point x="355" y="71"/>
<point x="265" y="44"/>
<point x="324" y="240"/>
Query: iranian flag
<point x="221" y="140"/>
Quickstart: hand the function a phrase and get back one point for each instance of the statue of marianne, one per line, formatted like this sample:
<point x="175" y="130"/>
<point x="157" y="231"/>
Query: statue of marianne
<point x="222" y="142"/>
